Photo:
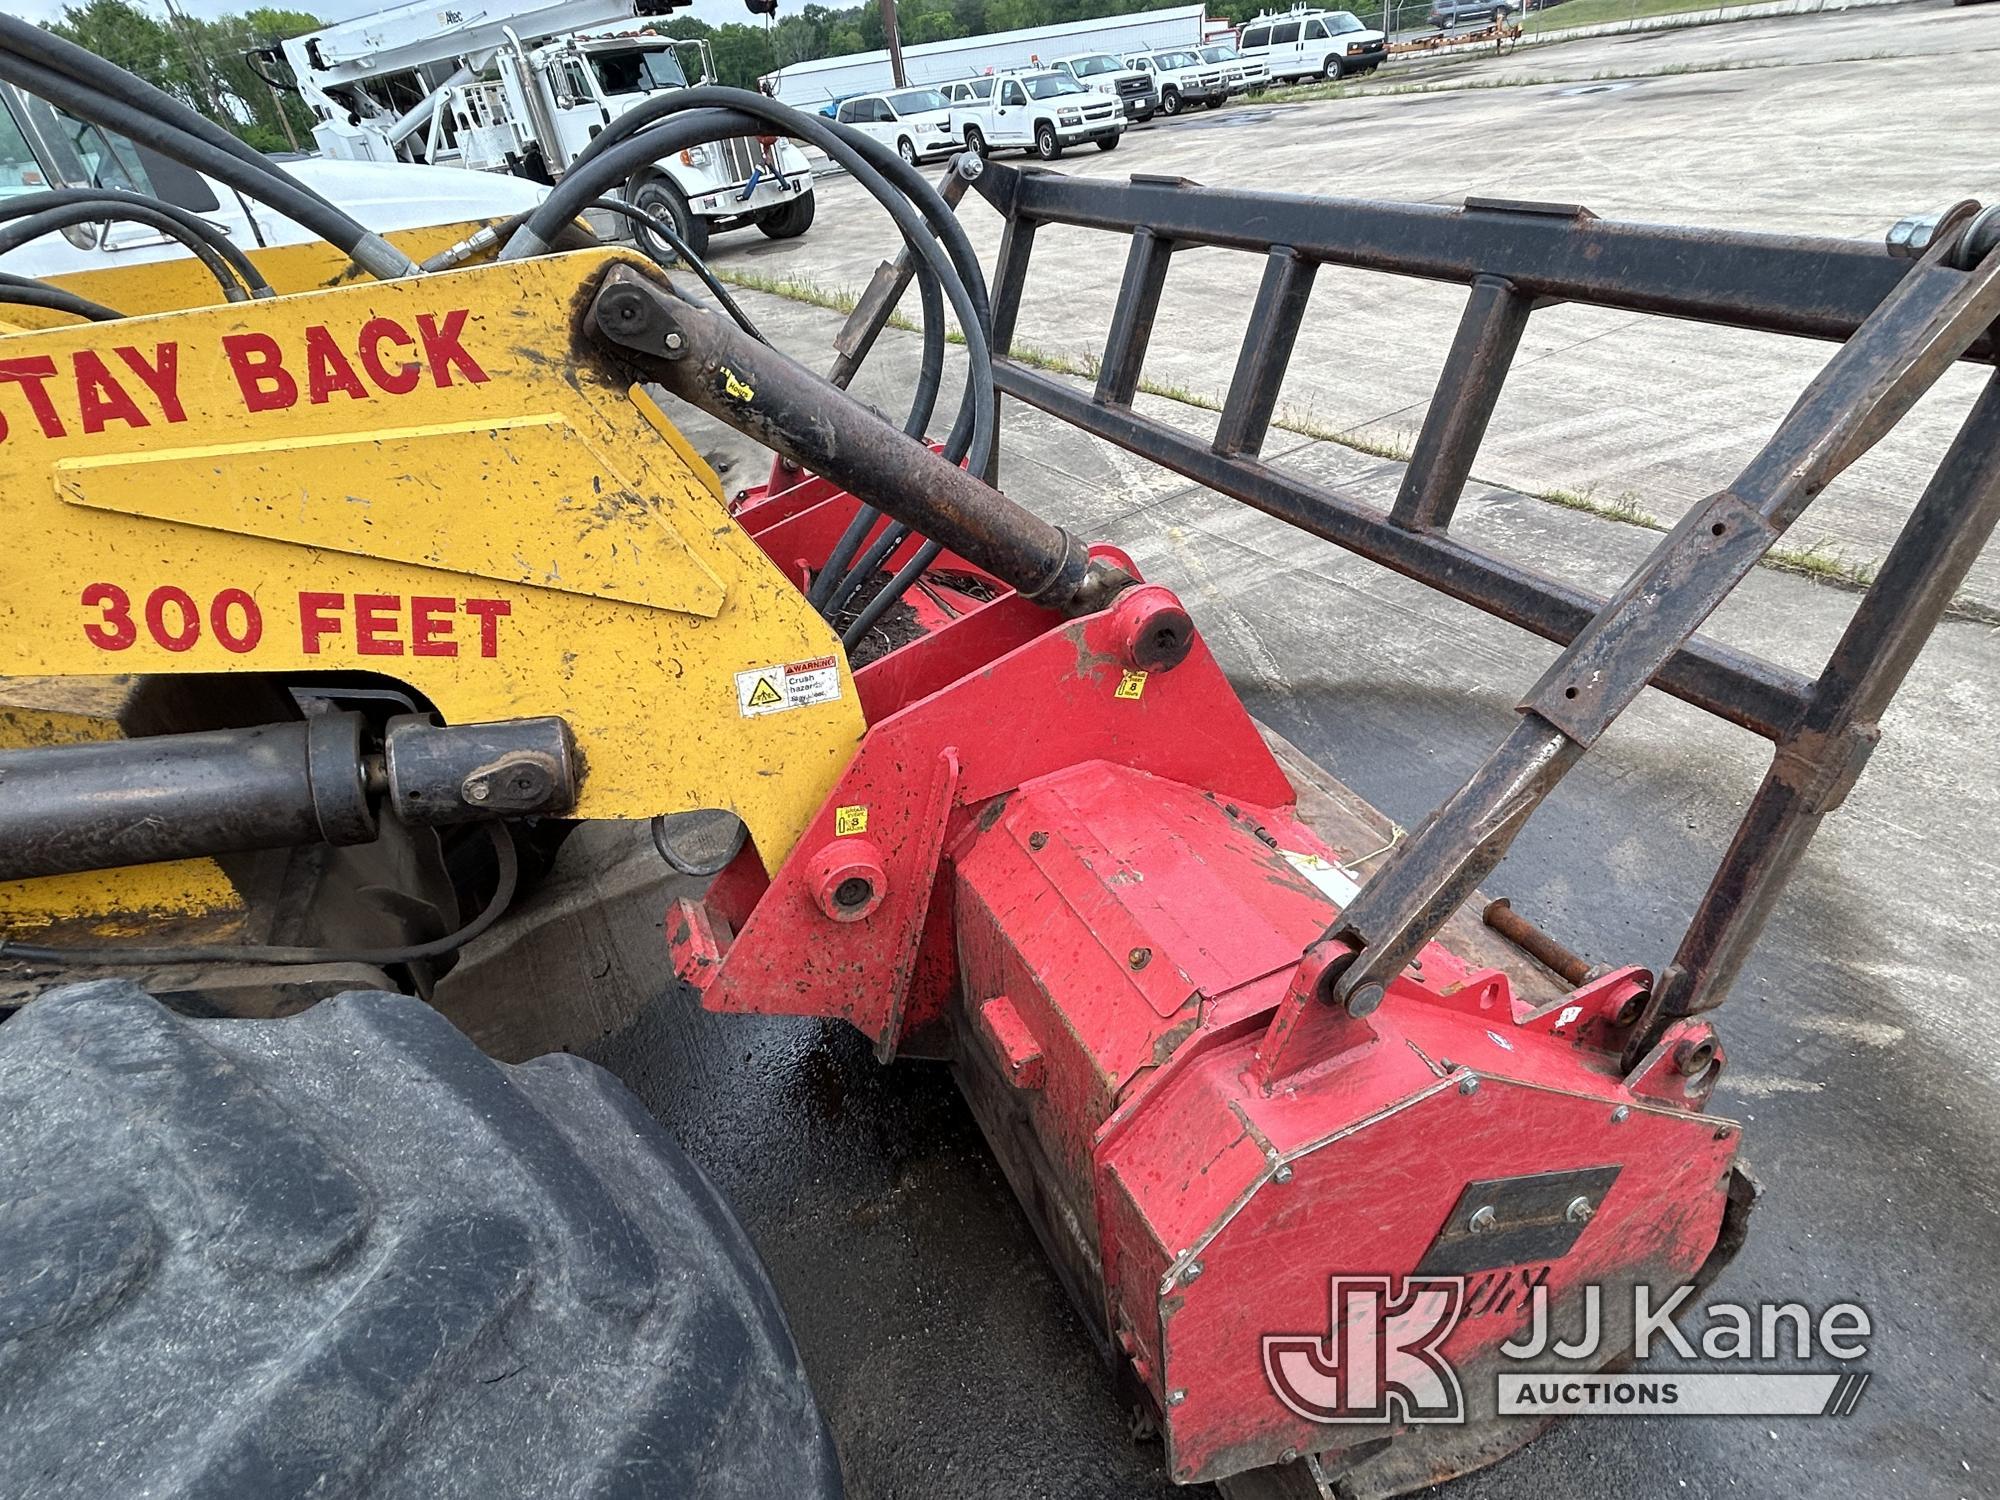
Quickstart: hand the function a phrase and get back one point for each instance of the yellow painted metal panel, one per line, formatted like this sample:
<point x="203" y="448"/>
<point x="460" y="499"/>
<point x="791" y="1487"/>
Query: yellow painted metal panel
<point x="278" y="395"/>
<point x="431" y="495"/>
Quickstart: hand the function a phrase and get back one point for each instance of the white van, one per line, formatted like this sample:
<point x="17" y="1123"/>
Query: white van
<point x="1183" y="78"/>
<point x="917" y="123"/>
<point x="1329" y="44"/>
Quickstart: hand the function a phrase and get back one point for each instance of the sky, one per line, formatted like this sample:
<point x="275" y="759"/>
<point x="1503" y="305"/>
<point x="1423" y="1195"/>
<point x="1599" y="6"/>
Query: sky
<point x="715" y="12"/>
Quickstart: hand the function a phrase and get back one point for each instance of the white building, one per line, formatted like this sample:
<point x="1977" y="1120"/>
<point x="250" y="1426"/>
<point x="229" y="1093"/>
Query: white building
<point x="813" y="85"/>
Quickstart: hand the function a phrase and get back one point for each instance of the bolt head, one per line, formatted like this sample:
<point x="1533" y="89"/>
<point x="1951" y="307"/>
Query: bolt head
<point x="1284" y="1172"/>
<point x="1175" y="1398"/>
<point x="478" y="790"/>
<point x="1579" y="1210"/>
<point x="1621" y="1114"/>
<point x="1138" y="958"/>
<point x="1485" y="1219"/>
<point x="1365" y="999"/>
<point x="1469" y="1084"/>
<point x="1193" y="1271"/>
<point x="1289" y="1456"/>
<point x="674" y="342"/>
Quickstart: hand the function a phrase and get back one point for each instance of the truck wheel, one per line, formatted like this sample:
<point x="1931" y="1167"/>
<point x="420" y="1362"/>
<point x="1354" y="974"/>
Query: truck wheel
<point x="1214" y="103"/>
<point x="906" y="150"/>
<point x="789" y="220"/>
<point x="659" y="195"/>
<point x="1331" y="70"/>
<point x="975" y="142"/>
<point x="1047" y="147"/>
<point x="1110" y="142"/>
<point x="346" y="1253"/>
<point x="1170" y="101"/>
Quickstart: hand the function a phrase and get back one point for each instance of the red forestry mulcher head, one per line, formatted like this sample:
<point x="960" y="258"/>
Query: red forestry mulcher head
<point x="1307" y="1140"/>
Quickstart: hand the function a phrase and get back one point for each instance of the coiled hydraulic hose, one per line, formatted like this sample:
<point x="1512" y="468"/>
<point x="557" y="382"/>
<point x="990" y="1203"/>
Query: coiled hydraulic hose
<point x="224" y="258"/>
<point x="25" y="291"/>
<point x="648" y="132"/>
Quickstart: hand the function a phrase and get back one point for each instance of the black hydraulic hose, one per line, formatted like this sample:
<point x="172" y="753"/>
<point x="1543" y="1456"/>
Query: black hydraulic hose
<point x="23" y="291"/>
<point x="696" y="126"/>
<point x="15" y="233"/>
<point x="87" y="68"/>
<point x="692" y="261"/>
<point x="116" y="199"/>
<point x="891" y="538"/>
<point x="895" y="589"/>
<point x="894" y="183"/>
<point x="156" y="126"/>
<point x="504" y="853"/>
<point x="865" y="517"/>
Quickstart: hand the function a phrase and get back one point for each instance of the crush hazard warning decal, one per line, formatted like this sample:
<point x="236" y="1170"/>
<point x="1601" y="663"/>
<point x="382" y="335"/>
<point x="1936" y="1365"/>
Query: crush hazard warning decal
<point x="797" y="684"/>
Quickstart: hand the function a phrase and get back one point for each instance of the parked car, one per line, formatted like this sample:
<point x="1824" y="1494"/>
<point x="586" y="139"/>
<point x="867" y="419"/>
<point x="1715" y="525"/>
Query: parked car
<point x="1044" y="112"/>
<point x="918" y="123"/>
<point x="1182" y="77"/>
<point x="1446" y="14"/>
<point x="1240" y="74"/>
<point x="1132" y="87"/>
<point x="1330" y="44"/>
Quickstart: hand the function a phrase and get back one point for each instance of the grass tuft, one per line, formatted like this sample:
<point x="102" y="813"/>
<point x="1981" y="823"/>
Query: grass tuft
<point x="1624" y="507"/>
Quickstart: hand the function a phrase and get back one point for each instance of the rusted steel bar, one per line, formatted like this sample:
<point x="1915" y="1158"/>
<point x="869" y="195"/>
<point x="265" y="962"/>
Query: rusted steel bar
<point x="1539" y="944"/>
<point x="1489" y="333"/>
<point x="710" y="363"/>
<point x="1268" y="340"/>
<point x="1808" y="285"/>
<point x="1132" y="319"/>
<point x="1925" y="325"/>
<point x="1815" y="766"/>
<point x="885" y="289"/>
<point x="1718" y="679"/>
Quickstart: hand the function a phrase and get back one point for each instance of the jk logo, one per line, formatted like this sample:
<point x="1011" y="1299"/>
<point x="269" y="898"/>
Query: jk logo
<point x="1378" y="1361"/>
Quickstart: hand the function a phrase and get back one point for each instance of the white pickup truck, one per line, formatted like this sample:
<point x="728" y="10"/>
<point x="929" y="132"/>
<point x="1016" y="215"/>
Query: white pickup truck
<point x="1183" y="77"/>
<point x="1108" y="75"/>
<point x="1042" y="112"/>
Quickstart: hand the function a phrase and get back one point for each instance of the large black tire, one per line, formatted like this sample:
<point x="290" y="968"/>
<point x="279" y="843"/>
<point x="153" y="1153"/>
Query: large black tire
<point x="975" y="142"/>
<point x="1170" y="101"/>
<point x="1108" y="143"/>
<point x="1047" y="147"/>
<point x="346" y="1254"/>
<point x="789" y="220"/>
<point x="657" y="193"/>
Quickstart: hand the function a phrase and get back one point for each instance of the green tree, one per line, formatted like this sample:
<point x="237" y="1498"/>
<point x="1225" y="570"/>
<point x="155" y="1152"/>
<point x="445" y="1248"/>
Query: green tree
<point x="201" y="63"/>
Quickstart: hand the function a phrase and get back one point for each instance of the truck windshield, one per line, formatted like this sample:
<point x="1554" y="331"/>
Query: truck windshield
<point x="917" y="101"/>
<point x="1089" y="67"/>
<point x="1176" y="59"/>
<point x="1219" y="54"/>
<point x="639" y="71"/>
<point x="1340" y="20"/>
<point x="1051" y="85"/>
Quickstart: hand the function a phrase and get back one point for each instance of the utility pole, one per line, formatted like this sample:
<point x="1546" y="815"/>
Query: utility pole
<point x="895" y="44"/>
<point x="199" y="75"/>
